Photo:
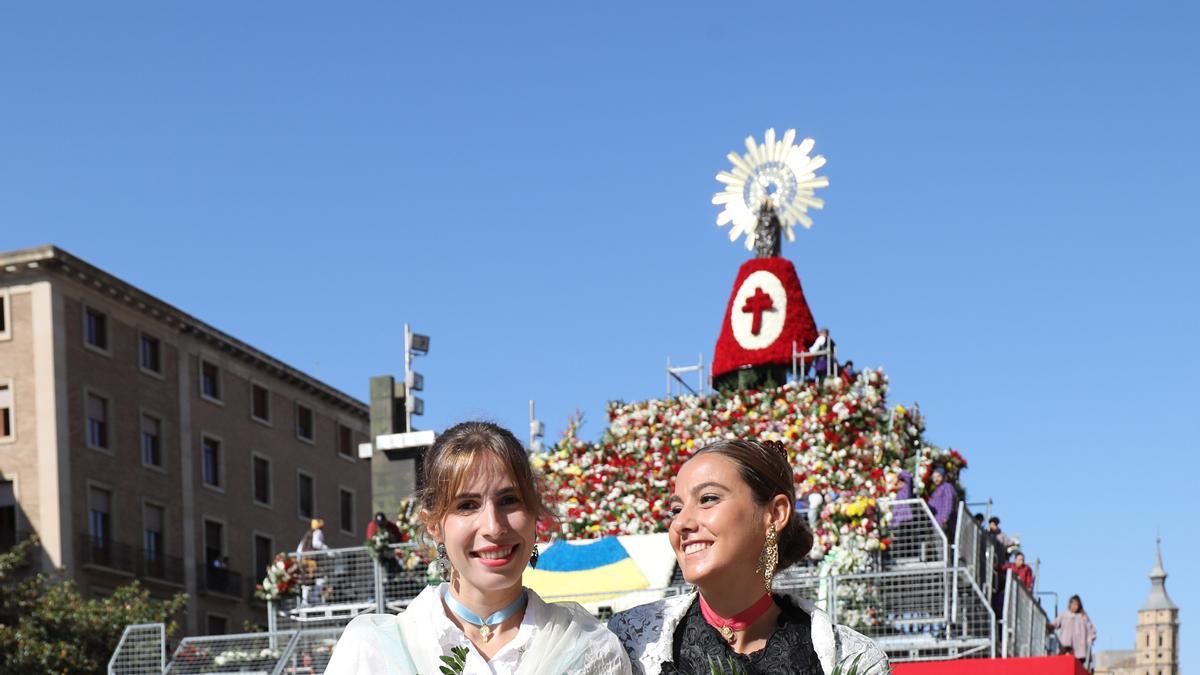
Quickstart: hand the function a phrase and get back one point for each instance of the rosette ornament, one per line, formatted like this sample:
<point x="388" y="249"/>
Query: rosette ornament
<point x="778" y="173"/>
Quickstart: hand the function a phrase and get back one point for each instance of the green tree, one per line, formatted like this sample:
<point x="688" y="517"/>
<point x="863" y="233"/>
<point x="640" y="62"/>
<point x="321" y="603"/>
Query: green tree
<point x="46" y="626"/>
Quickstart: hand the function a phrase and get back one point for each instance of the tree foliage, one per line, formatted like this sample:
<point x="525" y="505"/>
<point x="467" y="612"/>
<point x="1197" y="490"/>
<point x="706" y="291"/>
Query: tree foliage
<point x="47" y="626"/>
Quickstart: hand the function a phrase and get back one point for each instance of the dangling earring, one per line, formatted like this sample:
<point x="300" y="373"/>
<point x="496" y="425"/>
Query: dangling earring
<point x="768" y="560"/>
<point x="442" y="563"/>
<point x="533" y="557"/>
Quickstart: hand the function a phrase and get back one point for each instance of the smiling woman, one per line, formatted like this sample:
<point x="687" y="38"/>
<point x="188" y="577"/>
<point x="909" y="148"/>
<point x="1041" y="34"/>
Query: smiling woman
<point x="481" y="507"/>
<point x="732" y="527"/>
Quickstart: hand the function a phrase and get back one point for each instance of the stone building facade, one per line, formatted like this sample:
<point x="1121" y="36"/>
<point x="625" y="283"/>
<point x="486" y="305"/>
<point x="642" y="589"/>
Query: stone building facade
<point x="139" y="442"/>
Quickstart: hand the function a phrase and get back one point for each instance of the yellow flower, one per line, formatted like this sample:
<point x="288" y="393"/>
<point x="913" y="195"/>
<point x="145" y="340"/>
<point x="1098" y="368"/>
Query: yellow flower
<point x="573" y="470"/>
<point x="900" y="410"/>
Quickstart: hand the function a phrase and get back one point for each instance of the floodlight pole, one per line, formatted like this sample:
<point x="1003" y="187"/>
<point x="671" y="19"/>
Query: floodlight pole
<point x="407" y="377"/>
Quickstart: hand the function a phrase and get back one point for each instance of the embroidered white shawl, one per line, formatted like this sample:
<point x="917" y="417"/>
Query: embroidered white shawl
<point x="648" y="634"/>
<point x="569" y="641"/>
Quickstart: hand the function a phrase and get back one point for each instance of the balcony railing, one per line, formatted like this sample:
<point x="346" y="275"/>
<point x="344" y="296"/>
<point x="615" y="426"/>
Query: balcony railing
<point x="140" y="562"/>
<point x="107" y="553"/>
<point x="221" y="580"/>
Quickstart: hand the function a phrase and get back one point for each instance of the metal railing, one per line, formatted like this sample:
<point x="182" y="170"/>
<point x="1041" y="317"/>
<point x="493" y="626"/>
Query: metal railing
<point x="800" y="361"/>
<point x="243" y="653"/>
<point x="337" y="585"/>
<point x="916" y="538"/>
<point x="1024" y="624"/>
<point x="121" y="557"/>
<point x="222" y="581"/>
<point x="141" y="651"/>
<point x="914" y="614"/>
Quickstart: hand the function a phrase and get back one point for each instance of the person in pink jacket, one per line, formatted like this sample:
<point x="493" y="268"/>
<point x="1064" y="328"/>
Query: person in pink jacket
<point x="1075" y="630"/>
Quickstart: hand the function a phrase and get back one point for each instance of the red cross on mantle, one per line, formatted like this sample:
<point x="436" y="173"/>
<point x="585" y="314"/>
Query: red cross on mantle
<point x="757" y="304"/>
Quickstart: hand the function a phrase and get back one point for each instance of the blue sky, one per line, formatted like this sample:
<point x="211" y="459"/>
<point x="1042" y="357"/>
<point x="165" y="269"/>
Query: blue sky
<point x="1009" y="228"/>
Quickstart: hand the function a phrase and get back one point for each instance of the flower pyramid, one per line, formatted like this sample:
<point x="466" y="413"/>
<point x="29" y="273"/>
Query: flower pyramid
<point x="843" y="440"/>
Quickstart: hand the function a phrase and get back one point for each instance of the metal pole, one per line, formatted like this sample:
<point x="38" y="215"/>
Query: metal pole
<point x="531" y="418"/>
<point x="668" y="377"/>
<point x="700" y="378"/>
<point x="794" y="378"/>
<point x="380" y="601"/>
<point x="407" y="369"/>
<point x="1037" y="573"/>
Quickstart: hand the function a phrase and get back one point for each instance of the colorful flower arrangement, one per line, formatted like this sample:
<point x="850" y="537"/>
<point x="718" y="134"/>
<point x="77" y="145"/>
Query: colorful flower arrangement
<point x="845" y="444"/>
<point x="282" y="580"/>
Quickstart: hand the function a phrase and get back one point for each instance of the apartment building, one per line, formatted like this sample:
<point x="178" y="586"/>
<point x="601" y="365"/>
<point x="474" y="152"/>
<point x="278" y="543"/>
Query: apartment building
<point x="138" y="442"/>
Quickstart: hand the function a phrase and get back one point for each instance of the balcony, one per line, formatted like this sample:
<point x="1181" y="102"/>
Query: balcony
<point x="107" y="554"/>
<point x="221" y="581"/>
<point x="125" y="559"/>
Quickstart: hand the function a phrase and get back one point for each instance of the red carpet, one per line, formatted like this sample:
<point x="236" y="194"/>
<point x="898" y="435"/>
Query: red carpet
<point x="1045" y="665"/>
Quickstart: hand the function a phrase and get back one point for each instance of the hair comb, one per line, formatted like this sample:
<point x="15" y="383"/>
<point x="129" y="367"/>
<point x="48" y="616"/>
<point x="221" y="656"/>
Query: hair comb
<point x="777" y="447"/>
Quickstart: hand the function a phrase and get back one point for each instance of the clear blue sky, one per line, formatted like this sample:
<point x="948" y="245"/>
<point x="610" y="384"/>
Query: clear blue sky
<point x="1010" y="228"/>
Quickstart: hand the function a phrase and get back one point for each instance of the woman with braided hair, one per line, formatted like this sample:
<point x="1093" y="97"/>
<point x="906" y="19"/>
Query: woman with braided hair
<point x="733" y="525"/>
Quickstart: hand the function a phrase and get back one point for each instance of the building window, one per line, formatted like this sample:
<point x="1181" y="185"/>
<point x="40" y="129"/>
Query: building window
<point x="6" y="412"/>
<point x="150" y="354"/>
<point x="217" y="624"/>
<point x="346" y="510"/>
<point x="8" y="515"/>
<point x="260" y="403"/>
<point x="214" y="544"/>
<point x="99" y="517"/>
<point x="210" y="461"/>
<point x="152" y="533"/>
<point x="345" y="441"/>
<point x="210" y="381"/>
<point x="304" y="422"/>
<point x="305" y="496"/>
<point x="262" y="480"/>
<point x="3" y="314"/>
<point x="151" y="441"/>
<point x="264" y="554"/>
<point x="97" y="421"/>
<point x="95" y="328"/>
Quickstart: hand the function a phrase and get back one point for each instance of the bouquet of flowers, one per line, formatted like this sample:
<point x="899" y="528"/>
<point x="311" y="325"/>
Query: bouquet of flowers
<point x="282" y="580"/>
<point x="379" y="545"/>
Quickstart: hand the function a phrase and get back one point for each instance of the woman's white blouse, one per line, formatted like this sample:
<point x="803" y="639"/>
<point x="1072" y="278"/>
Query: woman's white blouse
<point x="552" y="639"/>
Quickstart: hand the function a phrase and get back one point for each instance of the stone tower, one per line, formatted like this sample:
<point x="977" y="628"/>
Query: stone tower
<point x="1158" y="626"/>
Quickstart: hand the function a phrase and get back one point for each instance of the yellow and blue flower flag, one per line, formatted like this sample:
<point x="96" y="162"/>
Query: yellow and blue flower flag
<point x="585" y="572"/>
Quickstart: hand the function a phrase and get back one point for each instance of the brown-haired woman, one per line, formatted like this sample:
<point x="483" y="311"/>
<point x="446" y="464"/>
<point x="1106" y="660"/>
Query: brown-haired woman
<point x="733" y="525"/>
<point x="480" y="505"/>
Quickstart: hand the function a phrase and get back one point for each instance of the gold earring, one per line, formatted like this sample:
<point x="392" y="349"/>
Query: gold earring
<point x="768" y="560"/>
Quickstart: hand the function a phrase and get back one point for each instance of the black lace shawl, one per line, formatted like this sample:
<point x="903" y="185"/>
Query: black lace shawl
<point x="789" y="649"/>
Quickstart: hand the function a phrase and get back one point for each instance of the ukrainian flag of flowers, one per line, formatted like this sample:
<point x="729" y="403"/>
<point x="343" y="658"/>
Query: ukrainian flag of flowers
<point x="585" y="571"/>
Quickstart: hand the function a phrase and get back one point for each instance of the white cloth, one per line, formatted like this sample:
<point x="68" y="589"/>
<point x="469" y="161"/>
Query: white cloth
<point x="553" y="639"/>
<point x="648" y="633"/>
<point x="317" y="543"/>
<point x="818" y="344"/>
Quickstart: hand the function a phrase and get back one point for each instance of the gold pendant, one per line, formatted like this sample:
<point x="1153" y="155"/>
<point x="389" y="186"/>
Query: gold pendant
<point x="727" y="633"/>
<point x="485" y="632"/>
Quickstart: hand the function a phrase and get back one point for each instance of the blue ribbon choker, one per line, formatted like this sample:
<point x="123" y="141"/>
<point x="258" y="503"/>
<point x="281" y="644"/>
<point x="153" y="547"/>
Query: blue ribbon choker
<point x="485" y="625"/>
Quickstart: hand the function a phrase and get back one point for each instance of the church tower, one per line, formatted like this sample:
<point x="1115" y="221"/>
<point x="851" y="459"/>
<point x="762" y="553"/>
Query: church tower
<point x="1158" y="626"/>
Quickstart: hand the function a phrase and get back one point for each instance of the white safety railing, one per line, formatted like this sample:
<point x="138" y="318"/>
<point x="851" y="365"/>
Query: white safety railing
<point x="800" y="361"/>
<point x="337" y="585"/>
<point x="141" y="651"/>
<point x="254" y="653"/>
<point x="916" y="539"/>
<point x="1024" y="623"/>
<point x="914" y="615"/>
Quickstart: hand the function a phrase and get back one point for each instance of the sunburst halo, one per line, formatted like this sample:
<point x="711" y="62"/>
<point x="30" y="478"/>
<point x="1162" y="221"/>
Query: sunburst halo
<point x="777" y="170"/>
